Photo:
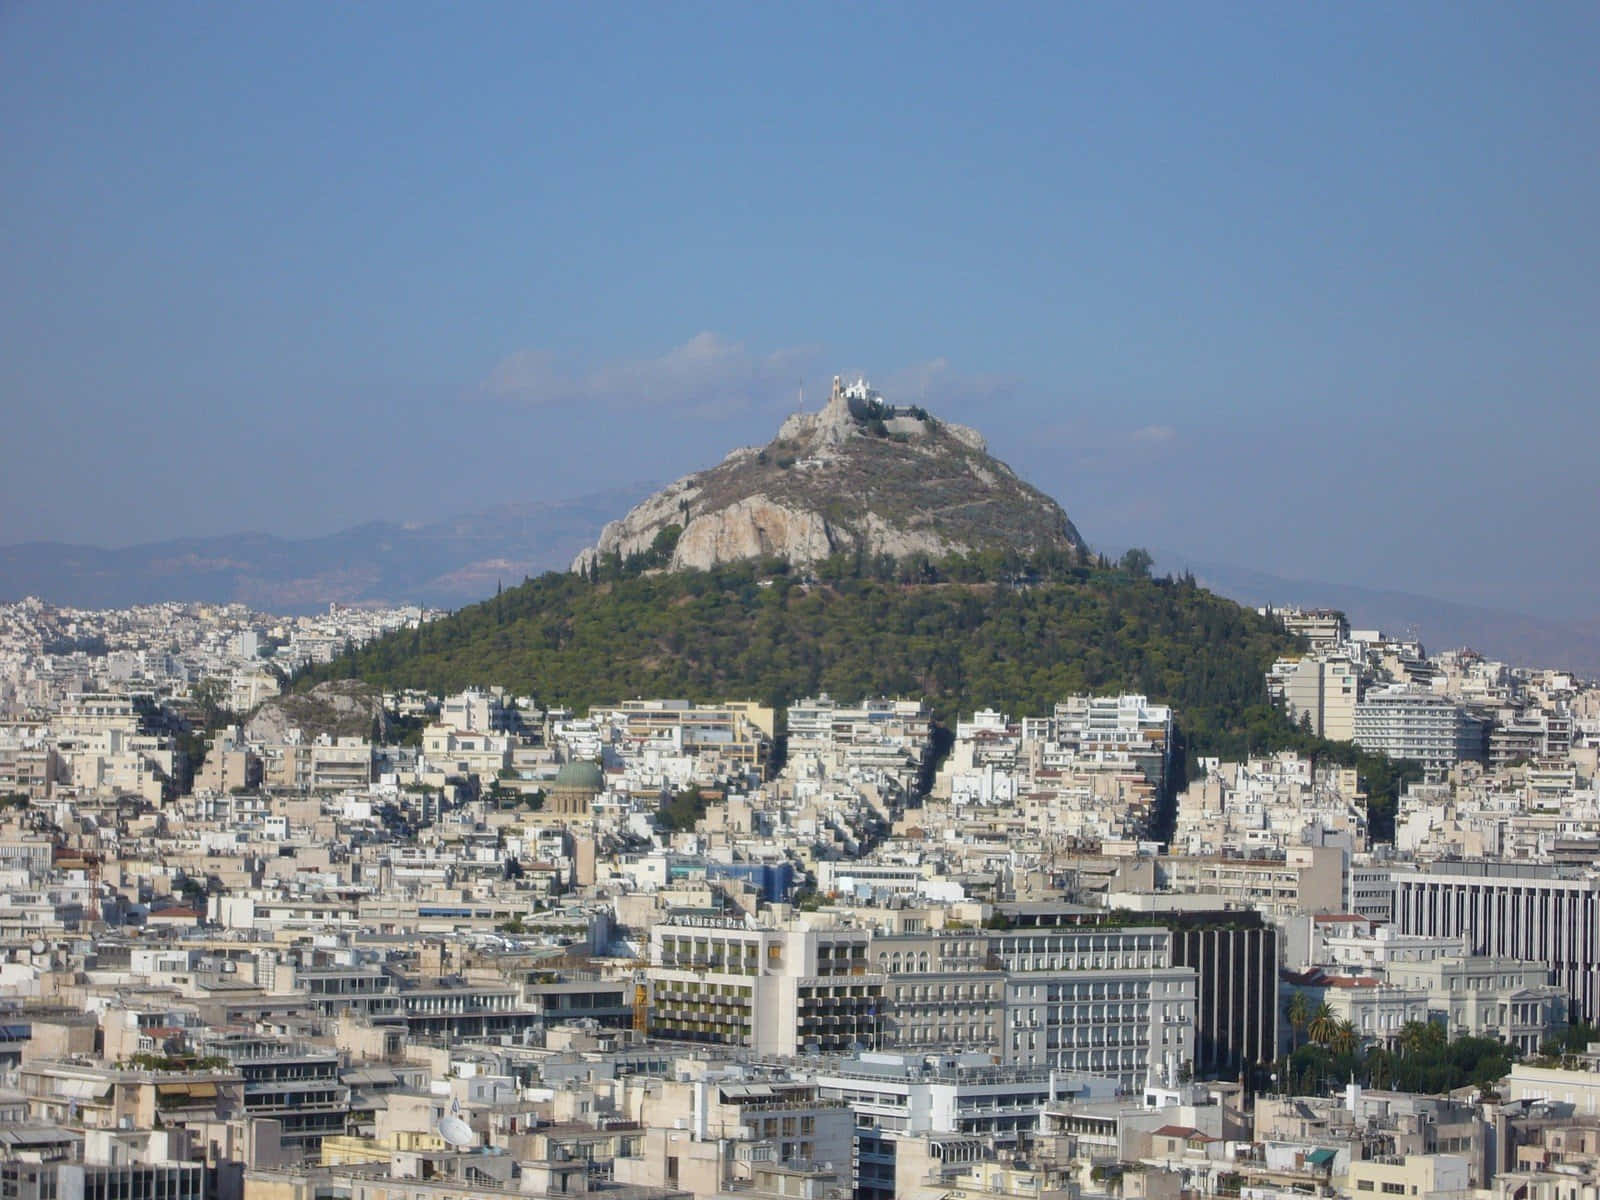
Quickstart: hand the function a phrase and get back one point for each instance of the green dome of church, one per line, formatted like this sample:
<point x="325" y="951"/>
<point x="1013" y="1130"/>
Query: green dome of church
<point x="581" y="776"/>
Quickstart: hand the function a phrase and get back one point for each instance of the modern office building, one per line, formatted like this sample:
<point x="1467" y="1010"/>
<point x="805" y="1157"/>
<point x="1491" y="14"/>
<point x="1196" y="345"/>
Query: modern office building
<point x="1518" y="910"/>
<point x="1236" y="1003"/>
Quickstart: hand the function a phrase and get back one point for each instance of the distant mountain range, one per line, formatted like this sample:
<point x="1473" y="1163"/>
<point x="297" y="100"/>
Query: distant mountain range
<point x="459" y="560"/>
<point x="1513" y="637"/>
<point x="445" y="564"/>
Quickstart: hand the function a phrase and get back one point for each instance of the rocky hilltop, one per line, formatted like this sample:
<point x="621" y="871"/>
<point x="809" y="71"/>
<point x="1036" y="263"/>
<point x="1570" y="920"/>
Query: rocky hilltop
<point x="861" y="475"/>
<point x="338" y="708"/>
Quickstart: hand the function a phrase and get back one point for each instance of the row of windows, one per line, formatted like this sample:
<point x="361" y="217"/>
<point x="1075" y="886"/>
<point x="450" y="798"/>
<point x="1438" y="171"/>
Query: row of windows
<point x="946" y="991"/>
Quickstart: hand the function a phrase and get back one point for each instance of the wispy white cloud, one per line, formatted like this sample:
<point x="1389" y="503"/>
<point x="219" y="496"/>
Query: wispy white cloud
<point x="1154" y="434"/>
<point x="709" y="377"/>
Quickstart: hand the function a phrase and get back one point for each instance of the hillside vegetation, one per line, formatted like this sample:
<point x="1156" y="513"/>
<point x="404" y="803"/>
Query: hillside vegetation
<point x="983" y="630"/>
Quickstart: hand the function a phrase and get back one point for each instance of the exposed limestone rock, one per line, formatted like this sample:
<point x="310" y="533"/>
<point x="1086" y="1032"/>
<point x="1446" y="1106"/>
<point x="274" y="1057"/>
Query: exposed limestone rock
<point x="860" y="475"/>
<point x="751" y="528"/>
<point x="338" y="708"/>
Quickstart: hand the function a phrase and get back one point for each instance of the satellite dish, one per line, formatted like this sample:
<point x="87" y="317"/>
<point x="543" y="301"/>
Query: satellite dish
<point x="457" y="1132"/>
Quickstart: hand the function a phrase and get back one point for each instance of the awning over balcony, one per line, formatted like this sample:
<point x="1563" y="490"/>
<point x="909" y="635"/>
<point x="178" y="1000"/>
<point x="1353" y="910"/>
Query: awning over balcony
<point x="82" y="1089"/>
<point x="185" y="1092"/>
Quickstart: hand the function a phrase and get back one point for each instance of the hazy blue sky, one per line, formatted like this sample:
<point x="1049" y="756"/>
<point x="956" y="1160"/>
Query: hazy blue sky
<point x="1310" y="289"/>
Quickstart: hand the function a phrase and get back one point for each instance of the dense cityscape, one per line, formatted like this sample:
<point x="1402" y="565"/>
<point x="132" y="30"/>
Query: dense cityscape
<point x="341" y="941"/>
<point x="866" y="601"/>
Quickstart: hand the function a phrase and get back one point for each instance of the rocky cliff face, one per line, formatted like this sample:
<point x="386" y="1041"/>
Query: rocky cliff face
<point x="338" y="708"/>
<point x="859" y="475"/>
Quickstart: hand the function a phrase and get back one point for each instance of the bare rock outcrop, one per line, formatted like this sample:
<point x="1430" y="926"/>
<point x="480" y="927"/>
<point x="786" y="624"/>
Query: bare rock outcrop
<point x="859" y="476"/>
<point x="338" y="708"/>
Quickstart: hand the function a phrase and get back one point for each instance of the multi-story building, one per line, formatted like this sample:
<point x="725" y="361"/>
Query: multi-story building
<point x="291" y="1083"/>
<point x="943" y="991"/>
<point x="898" y="1095"/>
<point x="775" y="991"/>
<point x="1236" y="1011"/>
<point x="1109" y="727"/>
<point x="1103" y="1001"/>
<point x="1369" y="891"/>
<point x="324" y="764"/>
<point x="1413" y="724"/>
<point x="1529" y="736"/>
<point x="1323" y="628"/>
<point x="111" y="1098"/>
<point x="1321" y="690"/>
<point x="740" y="733"/>
<point x="121" y="1180"/>
<point x="459" y="753"/>
<point x="333" y="991"/>
<point x="697" y="1133"/>
<point x="451" y="1010"/>
<point x="1306" y="879"/>
<point x="1424" y="1176"/>
<point x="474" y="711"/>
<point x="1502" y="998"/>
<point x="1528" y="911"/>
<point x="1375" y="1008"/>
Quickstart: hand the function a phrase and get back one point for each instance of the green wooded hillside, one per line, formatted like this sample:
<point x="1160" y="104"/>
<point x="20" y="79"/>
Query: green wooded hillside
<point x="988" y="630"/>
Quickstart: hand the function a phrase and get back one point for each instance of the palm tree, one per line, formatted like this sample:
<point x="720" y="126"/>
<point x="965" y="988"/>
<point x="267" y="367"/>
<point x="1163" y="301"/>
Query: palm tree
<point x="1343" y="1039"/>
<point x="1416" y="1036"/>
<point x="1322" y="1024"/>
<point x="1299" y="1014"/>
<point x="1380" y="1068"/>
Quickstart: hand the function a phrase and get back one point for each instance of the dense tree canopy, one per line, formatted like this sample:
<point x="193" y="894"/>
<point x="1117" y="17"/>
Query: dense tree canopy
<point x="1422" y="1059"/>
<point x="985" y="630"/>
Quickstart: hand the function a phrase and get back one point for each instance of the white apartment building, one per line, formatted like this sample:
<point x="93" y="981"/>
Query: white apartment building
<point x="1098" y="1001"/>
<point x="1410" y="723"/>
<point x="475" y="711"/>
<point x="894" y="1096"/>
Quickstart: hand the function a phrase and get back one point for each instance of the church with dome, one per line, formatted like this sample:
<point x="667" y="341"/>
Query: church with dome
<point x="574" y="789"/>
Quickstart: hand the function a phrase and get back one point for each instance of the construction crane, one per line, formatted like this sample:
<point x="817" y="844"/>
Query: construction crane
<point x="641" y="998"/>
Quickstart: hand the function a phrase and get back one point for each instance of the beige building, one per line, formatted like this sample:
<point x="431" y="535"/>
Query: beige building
<point x="1503" y="998"/>
<point x="1323" y="690"/>
<point x="1580" y="1088"/>
<point x="694" y="1130"/>
<point x="1308" y="879"/>
<point x="775" y="991"/>
<point x="105" y="1098"/>
<point x="456" y="752"/>
<point x="1418" y="1176"/>
<point x="325" y="764"/>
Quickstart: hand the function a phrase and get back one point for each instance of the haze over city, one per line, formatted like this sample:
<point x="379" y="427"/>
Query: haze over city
<point x="1310" y="290"/>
